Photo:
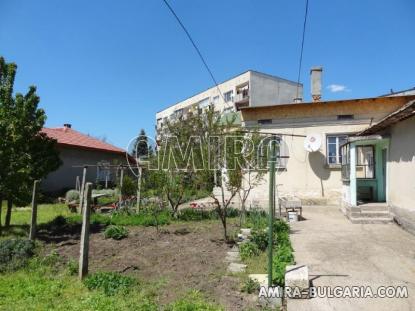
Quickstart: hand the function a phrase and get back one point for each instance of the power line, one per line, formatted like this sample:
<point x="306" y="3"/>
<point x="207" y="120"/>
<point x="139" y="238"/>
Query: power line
<point x="195" y="46"/>
<point x="302" y="45"/>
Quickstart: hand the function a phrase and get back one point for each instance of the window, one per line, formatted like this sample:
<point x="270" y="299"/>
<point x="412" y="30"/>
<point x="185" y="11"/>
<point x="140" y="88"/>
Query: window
<point x="215" y="100"/>
<point x="228" y="96"/>
<point x="333" y="148"/>
<point x="365" y="162"/>
<point x="265" y="121"/>
<point x="281" y="152"/>
<point x="345" y="117"/>
<point x="103" y="171"/>
<point x="204" y="103"/>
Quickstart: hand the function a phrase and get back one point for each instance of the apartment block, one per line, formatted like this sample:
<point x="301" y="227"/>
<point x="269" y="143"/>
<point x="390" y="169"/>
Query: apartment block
<point x="249" y="89"/>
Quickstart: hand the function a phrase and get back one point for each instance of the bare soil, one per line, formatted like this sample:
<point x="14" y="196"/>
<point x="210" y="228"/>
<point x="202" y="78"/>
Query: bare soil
<point x="180" y="257"/>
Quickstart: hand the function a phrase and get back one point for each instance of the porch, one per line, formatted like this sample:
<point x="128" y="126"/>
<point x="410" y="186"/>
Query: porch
<point x="364" y="173"/>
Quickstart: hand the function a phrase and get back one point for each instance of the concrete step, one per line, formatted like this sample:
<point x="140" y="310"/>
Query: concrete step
<point x="370" y="214"/>
<point x="378" y="208"/>
<point x="371" y="220"/>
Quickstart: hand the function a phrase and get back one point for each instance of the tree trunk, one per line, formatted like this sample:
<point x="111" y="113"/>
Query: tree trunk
<point x="1" y="209"/>
<point x="225" y="231"/>
<point x="243" y="213"/>
<point x="8" y="213"/>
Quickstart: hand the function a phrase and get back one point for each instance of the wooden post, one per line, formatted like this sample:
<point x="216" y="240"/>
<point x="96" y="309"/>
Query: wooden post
<point x="81" y="193"/>
<point x="106" y="181"/>
<point x="32" y="234"/>
<point x="121" y="182"/>
<point x="140" y="172"/>
<point x="84" y="250"/>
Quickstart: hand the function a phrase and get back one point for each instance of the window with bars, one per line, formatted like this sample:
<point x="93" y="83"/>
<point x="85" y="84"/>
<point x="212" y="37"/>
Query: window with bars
<point x="333" y="148"/>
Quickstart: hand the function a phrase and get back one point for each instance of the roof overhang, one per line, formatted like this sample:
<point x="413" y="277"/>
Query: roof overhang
<point x="405" y="112"/>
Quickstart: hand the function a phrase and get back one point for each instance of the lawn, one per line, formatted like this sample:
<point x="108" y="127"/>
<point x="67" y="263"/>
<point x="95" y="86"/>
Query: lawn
<point x="46" y="213"/>
<point x="178" y="267"/>
<point x="43" y="287"/>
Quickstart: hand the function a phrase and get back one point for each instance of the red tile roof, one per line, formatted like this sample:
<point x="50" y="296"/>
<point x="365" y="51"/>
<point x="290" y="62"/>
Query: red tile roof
<point x="69" y="137"/>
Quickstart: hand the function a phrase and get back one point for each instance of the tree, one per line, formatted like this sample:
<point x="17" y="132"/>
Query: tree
<point x="228" y="153"/>
<point x="176" y="161"/>
<point x="252" y="168"/>
<point x="26" y="154"/>
<point x="141" y="146"/>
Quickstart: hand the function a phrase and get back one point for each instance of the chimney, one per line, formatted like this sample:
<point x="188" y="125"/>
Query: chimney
<point x="316" y="73"/>
<point x="67" y="125"/>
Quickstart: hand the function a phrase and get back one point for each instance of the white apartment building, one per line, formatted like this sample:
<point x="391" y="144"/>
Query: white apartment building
<point x="249" y="89"/>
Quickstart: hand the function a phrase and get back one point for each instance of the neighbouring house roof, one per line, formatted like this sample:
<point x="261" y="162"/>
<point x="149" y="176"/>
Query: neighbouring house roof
<point x="68" y="137"/>
<point x="325" y="108"/>
<point x="405" y="112"/>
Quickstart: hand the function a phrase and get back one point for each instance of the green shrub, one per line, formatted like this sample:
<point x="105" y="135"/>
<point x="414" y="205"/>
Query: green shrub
<point x="232" y="212"/>
<point x="248" y="250"/>
<point x="51" y="259"/>
<point x="278" y="272"/>
<point x="129" y="186"/>
<point x="72" y="267"/>
<point x="257" y="219"/>
<point x="284" y="252"/>
<point x="109" y="282"/>
<point x="260" y="238"/>
<point x="116" y="232"/>
<point x="72" y="195"/>
<point x="15" y="253"/>
<point x="250" y="286"/>
<point x="281" y="226"/>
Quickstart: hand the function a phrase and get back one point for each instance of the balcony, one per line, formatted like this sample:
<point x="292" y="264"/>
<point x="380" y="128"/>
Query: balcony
<point x="242" y="98"/>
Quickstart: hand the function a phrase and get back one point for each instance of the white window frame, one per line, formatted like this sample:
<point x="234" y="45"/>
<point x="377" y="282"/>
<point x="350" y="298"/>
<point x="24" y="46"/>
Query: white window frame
<point x="225" y="95"/>
<point x="338" y="152"/>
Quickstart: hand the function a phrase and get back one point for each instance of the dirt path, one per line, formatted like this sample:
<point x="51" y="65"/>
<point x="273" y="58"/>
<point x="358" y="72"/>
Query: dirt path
<point x="181" y="257"/>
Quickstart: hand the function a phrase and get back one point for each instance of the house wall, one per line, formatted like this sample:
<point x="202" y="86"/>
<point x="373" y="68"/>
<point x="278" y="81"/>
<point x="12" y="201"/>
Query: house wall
<point x="65" y="176"/>
<point x="266" y="90"/>
<point x="306" y="175"/>
<point x="401" y="173"/>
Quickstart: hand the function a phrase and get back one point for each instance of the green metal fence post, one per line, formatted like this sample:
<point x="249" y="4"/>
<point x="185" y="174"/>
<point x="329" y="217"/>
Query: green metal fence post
<point x="271" y="203"/>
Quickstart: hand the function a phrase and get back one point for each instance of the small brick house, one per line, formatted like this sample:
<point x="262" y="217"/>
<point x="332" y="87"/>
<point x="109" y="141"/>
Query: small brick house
<point x="76" y="150"/>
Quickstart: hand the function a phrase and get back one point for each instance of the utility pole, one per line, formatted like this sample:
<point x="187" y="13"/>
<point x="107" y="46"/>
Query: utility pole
<point x="271" y="203"/>
<point x="121" y="184"/>
<point x="140" y="172"/>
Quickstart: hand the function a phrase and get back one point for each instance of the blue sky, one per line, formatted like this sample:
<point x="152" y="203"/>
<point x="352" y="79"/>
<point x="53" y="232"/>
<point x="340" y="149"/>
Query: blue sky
<point x="108" y="66"/>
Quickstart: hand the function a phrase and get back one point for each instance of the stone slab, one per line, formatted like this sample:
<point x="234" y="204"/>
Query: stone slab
<point x="233" y="257"/>
<point x="236" y="267"/>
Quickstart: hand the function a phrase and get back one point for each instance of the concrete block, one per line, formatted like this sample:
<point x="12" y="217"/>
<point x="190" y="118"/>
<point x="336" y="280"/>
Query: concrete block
<point x="296" y="276"/>
<point x="236" y="267"/>
<point x="273" y="303"/>
<point x="233" y="257"/>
